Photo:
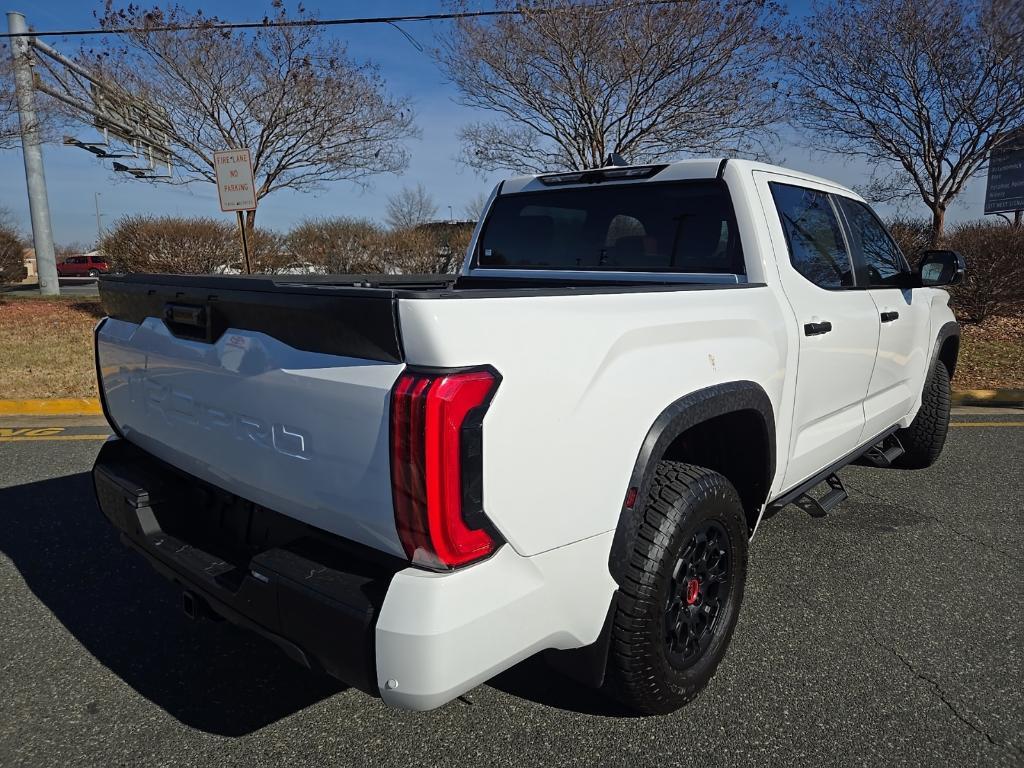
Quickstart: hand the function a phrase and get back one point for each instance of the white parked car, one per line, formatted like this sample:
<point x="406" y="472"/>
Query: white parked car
<point x="414" y="483"/>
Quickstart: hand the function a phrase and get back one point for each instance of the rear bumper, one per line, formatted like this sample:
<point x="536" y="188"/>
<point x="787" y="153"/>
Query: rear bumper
<point x="294" y="591"/>
<point x="417" y="638"/>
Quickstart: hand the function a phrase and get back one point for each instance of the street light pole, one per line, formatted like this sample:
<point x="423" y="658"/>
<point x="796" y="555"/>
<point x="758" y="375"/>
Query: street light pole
<point x="99" y="226"/>
<point x="31" y="148"/>
<point x="451" y="216"/>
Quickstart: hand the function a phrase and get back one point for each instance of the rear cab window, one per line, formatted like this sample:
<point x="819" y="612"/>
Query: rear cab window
<point x="672" y="227"/>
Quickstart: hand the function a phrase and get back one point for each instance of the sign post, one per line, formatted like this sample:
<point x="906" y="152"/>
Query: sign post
<point x="1004" y="192"/>
<point x="236" y="189"/>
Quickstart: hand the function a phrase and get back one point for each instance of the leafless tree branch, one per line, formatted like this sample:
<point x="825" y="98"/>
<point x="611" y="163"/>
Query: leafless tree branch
<point x="309" y="113"/>
<point x="925" y="90"/>
<point x="568" y="83"/>
<point x="409" y="207"/>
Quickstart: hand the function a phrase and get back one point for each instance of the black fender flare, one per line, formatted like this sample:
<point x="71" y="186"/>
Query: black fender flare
<point x="947" y="331"/>
<point x="683" y="414"/>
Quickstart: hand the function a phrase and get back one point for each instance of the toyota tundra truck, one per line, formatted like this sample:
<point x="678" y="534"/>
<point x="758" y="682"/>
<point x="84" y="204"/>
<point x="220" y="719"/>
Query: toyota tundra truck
<point x="412" y="483"/>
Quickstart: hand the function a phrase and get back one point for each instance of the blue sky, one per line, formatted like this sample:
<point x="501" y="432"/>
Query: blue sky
<point x="74" y="176"/>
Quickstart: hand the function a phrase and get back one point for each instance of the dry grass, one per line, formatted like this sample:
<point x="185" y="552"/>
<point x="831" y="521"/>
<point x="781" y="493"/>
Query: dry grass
<point x="991" y="355"/>
<point x="46" y="347"/>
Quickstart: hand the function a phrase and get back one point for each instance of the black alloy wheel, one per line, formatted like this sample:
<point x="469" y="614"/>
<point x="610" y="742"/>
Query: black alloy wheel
<point x="698" y="595"/>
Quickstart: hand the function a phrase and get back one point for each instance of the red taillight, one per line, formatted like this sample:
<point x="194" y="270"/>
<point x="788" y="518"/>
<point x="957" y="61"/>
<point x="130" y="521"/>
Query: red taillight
<point x="436" y="466"/>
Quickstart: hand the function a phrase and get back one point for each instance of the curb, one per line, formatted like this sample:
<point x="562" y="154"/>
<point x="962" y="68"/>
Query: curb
<point x="1001" y="397"/>
<point x="78" y="406"/>
<point x="90" y="406"/>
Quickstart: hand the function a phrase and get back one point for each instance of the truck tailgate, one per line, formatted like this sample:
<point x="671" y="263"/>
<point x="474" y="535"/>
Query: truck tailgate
<point x="269" y="394"/>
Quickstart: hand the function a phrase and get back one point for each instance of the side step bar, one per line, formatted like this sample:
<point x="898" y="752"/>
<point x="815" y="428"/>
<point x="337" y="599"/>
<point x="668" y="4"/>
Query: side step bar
<point x="820" y="507"/>
<point x="888" y="448"/>
<point x="883" y="454"/>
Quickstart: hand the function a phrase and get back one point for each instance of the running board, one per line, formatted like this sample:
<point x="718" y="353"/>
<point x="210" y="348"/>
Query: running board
<point x="800" y="490"/>
<point x="835" y="496"/>
<point x="883" y="454"/>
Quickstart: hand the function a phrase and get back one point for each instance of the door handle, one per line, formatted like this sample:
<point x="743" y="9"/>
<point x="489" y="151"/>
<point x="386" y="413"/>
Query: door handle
<point x="888" y="317"/>
<point x="817" y="329"/>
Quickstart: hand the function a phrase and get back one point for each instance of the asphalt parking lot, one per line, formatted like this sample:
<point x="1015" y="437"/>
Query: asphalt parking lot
<point x="888" y="633"/>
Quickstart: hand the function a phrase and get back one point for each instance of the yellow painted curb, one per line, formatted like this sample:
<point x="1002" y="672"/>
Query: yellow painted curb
<point x="90" y="406"/>
<point x="79" y="406"/>
<point x="989" y="397"/>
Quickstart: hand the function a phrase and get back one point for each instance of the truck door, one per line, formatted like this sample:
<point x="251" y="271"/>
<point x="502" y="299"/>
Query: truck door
<point x="837" y="323"/>
<point x="904" y="312"/>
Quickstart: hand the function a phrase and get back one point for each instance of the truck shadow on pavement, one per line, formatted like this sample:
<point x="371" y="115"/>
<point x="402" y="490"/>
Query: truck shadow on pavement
<point x="209" y="676"/>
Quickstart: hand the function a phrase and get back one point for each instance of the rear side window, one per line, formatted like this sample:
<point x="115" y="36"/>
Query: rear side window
<point x="666" y="227"/>
<point x="882" y="259"/>
<point x="816" y="246"/>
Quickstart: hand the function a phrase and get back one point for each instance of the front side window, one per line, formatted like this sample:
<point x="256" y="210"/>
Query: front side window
<point x="816" y="246"/>
<point x="657" y="227"/>
<point x="881" y="256"/>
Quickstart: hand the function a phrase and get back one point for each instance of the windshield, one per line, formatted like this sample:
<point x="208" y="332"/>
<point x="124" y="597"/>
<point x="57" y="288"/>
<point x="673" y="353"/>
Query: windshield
<point x="650" y="227"/>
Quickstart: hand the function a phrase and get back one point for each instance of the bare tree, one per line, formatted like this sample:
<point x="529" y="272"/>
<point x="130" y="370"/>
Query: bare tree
<point x="571" y="82"/>
<point x="9" y="129"/>
<point x="12" y="253"/>
<point x="409" y="207"/>
<point x="924" y="90"/>
<point x="309" y="113"/>
<point x="7" y="219"/>
<point x="474" y="207"/>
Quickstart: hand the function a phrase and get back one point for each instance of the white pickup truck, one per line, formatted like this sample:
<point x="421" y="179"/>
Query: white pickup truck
<point x="413" y="483"/>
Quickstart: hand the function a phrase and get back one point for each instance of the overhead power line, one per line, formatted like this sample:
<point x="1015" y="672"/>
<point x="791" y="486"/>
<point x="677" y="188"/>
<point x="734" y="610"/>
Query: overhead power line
<point x="270" y="24"/>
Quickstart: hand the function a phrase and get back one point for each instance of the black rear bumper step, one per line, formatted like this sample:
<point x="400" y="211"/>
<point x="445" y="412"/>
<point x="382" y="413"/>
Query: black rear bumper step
<point x="315" y="598"/>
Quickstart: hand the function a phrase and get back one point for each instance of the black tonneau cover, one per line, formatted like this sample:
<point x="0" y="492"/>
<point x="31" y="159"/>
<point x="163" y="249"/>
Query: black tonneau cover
<point x="354" y="319"/>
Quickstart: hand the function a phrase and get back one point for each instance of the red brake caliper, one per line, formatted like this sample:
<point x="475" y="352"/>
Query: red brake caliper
<point x="692" y="589"/>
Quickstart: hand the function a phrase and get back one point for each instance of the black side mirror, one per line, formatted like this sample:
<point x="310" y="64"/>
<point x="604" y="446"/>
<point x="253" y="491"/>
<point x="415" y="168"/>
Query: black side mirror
<point x="941" y="268"/>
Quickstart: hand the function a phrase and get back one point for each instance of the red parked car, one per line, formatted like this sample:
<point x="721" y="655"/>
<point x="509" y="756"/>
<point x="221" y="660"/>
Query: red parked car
<point x="83" y="266"/>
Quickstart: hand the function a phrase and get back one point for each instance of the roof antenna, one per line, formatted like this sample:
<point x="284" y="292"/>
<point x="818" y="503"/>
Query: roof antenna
<point x="614" y="158"/>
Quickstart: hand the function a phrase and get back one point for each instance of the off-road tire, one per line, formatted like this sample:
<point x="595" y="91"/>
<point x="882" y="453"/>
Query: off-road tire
<point x="923" y="439"/>
<point x="683" y="501"/>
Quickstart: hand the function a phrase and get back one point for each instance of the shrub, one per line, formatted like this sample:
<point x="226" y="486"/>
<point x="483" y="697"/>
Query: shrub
<point x="995" y="263"/>
<point x="268" y="251"/>
<point x="339" y="245"/>
<point x="995" y="269"/>
<point x="12" y="256"/>
<point x="170" y="244"/>
<point x="356" y="246"/>
<point x="914" y="236"/>
<point x="426" y="249"/>
<point x="190" y="246"/>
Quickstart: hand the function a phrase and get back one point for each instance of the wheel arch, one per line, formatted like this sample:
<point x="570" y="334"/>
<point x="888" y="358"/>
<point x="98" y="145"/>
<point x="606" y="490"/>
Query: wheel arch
<point x="947" y="346"/>
<point x="697" y="428"/>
